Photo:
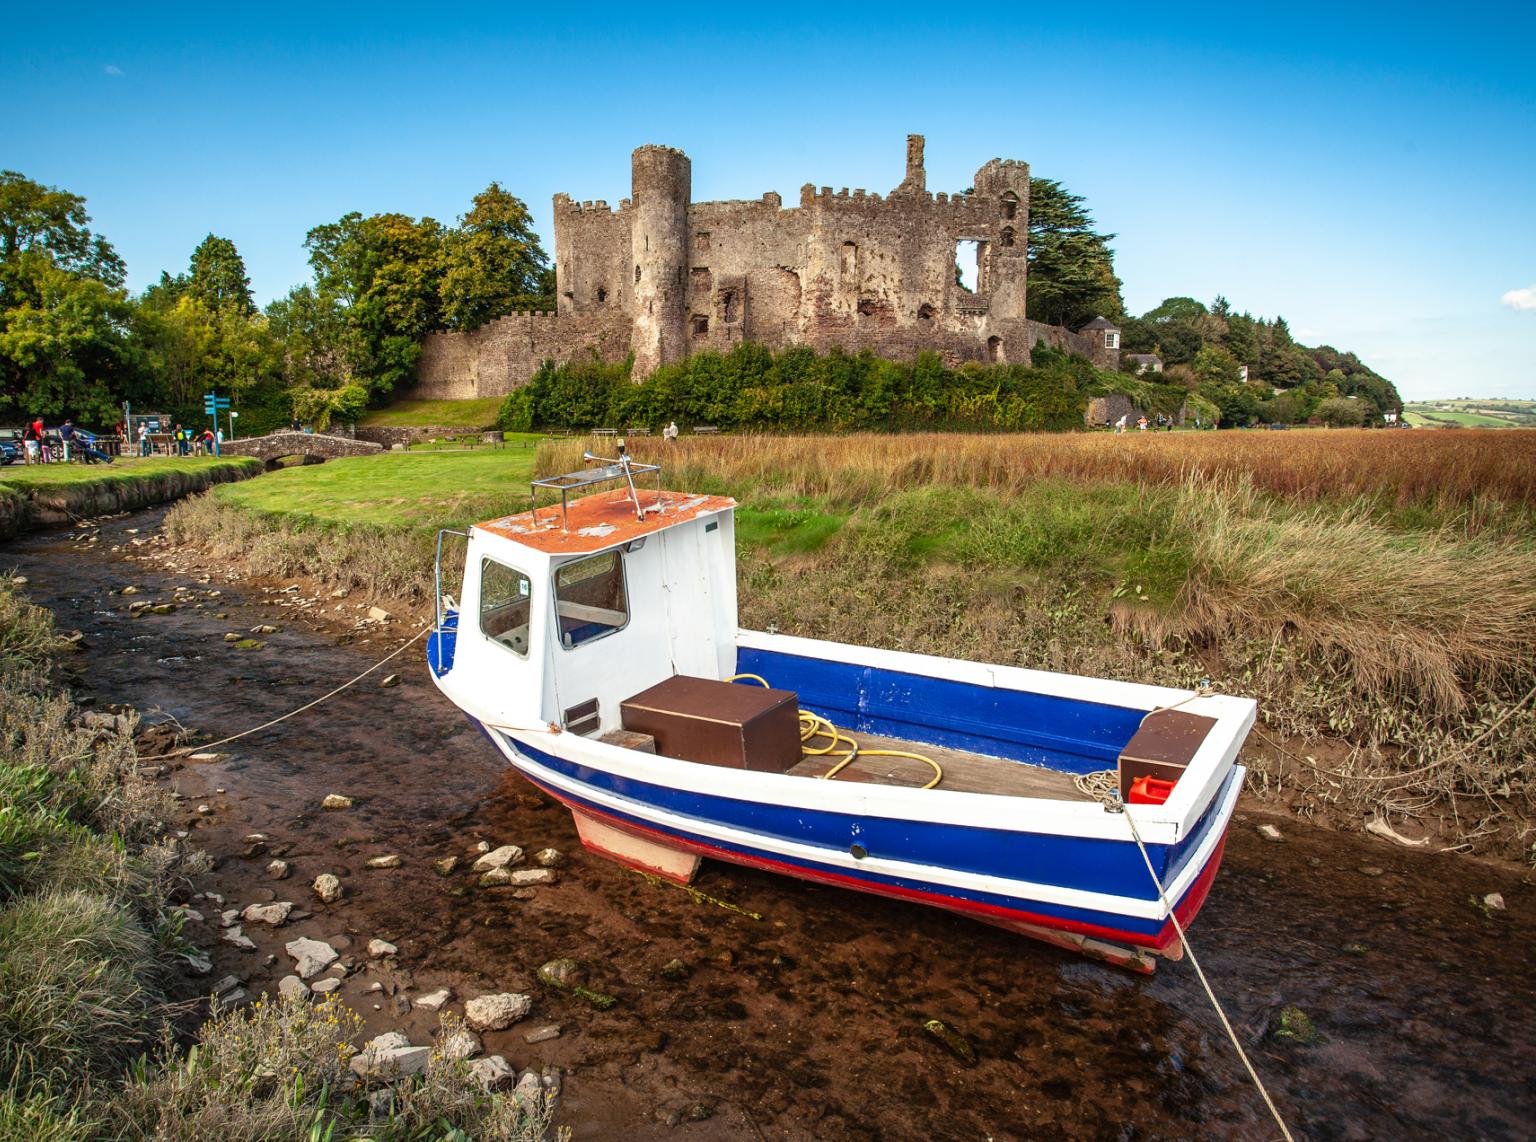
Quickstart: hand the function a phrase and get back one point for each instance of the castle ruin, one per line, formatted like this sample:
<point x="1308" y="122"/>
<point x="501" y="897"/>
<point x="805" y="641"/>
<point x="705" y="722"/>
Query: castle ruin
<point x="665" y="277"/>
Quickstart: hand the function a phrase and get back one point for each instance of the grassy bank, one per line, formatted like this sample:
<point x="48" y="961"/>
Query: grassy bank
<point x="42" y="494"/>
<point x="424" y="413"/>
<point x="1375" y="591"/>
<point x="90" y="951"/>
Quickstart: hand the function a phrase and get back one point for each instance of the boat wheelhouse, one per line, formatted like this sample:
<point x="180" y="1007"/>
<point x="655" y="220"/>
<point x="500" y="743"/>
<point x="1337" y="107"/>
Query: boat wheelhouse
<point x="596" y="644"/>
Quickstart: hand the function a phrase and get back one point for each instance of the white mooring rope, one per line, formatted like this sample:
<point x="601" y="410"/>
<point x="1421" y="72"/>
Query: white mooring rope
<point x="307" y="705"/>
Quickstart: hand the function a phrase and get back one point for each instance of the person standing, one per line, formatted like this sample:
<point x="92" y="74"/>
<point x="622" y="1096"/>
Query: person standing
<point x="1141" y="424"/>
<point x="67" y="438"/>
<point x="31" y="453"/>
<point x="669" y="433"/>
<point x="143" y="438"/>
<point x="1120" y="424"/>
<point x="40" y="434"/>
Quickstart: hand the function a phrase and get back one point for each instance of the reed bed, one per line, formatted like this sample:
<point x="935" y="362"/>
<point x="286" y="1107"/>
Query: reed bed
<point x="1400" y="468"/>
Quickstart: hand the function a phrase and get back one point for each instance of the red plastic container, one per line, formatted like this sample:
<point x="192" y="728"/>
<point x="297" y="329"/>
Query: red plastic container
<point x="1149" y="791"/>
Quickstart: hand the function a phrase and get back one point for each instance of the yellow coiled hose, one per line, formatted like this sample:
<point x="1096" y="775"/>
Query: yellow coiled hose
<point x="813" y="726"/>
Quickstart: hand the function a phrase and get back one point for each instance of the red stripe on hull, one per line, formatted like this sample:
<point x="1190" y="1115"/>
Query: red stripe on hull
<point x="991" y="913"/>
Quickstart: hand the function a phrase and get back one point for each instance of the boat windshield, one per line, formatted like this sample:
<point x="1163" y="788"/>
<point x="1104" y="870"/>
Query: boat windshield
<point x="590" y="599"/>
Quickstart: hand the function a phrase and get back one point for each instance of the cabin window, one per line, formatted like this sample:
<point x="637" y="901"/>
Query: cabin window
<point x="590" y="599"/>
<point x="505" y="593"/>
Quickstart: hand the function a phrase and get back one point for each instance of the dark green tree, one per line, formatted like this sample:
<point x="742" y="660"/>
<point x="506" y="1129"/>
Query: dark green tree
<point x="218" y="277"/>
<point x="493" y="263"/>
<point x="1071" y="267"/>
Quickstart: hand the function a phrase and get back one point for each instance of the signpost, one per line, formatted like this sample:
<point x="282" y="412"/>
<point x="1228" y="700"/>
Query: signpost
<point x="213" y="404"/>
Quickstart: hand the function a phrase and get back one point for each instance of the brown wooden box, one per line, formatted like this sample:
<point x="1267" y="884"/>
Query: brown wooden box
<point x="1162" y="747"/>
<point x="718" y="723"/>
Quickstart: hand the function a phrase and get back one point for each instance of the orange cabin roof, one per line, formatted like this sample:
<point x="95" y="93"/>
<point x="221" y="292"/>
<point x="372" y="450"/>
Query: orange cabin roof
<point x="604" y="520"/>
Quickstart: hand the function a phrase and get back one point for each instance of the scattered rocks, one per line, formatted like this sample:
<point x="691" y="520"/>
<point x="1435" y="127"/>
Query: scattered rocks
<point x="391" y="861"/>
<point x="549" y="858"/>
<point x="312" y="956"/>
<point x="325" y="986"/>
<point x="522" y="877"/>
<point x="389" y="1041"/>
<point x="435" y="1000"/>
<point x="380" y="948"/>
<point x="529" y="1089"/>
<point x="1494" y="902"/>
<point x="482" y="847"/>
<point x="162" y="608"/>
<point x="232" y="636"/>
<point x="378" y="615"/>
<point x="1270" y="833"/>
<point x="273" y="914"/>
<point x="952" y="1040"/>
<point x="292" y="987"/>
<point x="499" y="858"/>
<point x="461" y="1044"/>
<point x="228" y="917"/>
<point x="497" y="1012"/>
<point x="327" y="888"/>
<point x="390" y="1062"/>
<point x="205" y="810"/>
<point x="492" y="1072"/>
<point x="388" y="681"/>
<point x="446" y="866"/>
<point x="1293" y="1025"/>
<point x="543" y="1034"/>
<point x="239" y="939"/>
<point x="278" y="870"/>
<point x="264" y="628"/>
<point x="335" y="801"/>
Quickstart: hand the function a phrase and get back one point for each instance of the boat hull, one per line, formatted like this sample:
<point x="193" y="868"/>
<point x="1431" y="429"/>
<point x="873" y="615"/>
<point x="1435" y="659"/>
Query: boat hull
<point x="642" y="827"/>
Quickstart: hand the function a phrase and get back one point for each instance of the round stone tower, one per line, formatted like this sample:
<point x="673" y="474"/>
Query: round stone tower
<point x="662" y="179"/>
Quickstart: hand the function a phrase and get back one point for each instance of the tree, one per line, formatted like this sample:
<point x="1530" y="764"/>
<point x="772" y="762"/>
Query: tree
<point x="1071" y="267"/>
<point x="314" y="338"/>
<point x="1213" y="365"/>
<point x="218" y="277"/>
<point x="494" y="264"/>
<point x="1341" y="412"/>
<point x="64" y="316"/>
<point x="1175" y="309"/>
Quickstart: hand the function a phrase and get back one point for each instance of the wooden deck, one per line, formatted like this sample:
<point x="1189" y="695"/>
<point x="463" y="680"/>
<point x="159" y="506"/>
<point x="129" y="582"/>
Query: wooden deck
<point x="963" y="772"/>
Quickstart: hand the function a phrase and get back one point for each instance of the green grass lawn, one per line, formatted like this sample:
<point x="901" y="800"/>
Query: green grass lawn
<point x="449" y="413"/>
<point x="394" y="489"/>
<point x="126" y="468"/>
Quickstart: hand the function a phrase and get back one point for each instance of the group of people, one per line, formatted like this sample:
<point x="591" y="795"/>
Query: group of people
<point x="1165" y="423"/>
<point x="39" y="445"/>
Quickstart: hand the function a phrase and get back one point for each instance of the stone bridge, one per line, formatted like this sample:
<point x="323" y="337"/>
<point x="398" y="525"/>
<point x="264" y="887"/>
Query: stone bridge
<point x="314" y="447"/>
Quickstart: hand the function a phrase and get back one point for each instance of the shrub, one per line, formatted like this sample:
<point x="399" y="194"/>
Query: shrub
<point x="78" y="981"/>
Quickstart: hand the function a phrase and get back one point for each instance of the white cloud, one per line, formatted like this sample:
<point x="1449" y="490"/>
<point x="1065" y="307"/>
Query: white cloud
<point x="112" y="69"/>
<point x="1520" y="298"/>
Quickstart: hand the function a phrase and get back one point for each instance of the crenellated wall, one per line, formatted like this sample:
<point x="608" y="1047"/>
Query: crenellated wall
<point x="664" y="277"/>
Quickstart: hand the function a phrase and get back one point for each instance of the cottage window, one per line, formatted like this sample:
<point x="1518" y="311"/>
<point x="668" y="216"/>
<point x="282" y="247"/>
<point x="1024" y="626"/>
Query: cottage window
<point x="590" y="600"/>
<point x="1111" y="339"/>
<point x="505" y="595"/>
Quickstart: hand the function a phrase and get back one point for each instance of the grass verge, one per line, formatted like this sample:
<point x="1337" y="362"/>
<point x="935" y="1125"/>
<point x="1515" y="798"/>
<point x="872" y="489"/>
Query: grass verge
<point x="480" y="413"/>
<point x="59" y="493"/>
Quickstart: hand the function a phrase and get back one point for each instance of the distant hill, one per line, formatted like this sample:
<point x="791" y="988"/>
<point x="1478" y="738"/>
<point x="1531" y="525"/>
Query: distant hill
<point x="1471" y="412"/>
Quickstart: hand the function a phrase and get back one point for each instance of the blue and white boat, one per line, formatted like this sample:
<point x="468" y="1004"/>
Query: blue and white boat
<point x="570" y="615"/>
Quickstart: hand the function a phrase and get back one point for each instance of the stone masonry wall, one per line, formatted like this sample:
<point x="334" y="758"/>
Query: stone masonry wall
<point x="504" y="354"/>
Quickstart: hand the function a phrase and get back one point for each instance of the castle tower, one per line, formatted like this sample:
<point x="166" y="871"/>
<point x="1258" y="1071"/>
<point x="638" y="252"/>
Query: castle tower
<point x="1002" y="189"/>
<point x="662" y="179"/>
<point x="916" y="181"/>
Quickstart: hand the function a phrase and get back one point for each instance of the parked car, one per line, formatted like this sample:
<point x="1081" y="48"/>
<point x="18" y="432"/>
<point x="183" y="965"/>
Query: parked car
<point x="11" y="450"/>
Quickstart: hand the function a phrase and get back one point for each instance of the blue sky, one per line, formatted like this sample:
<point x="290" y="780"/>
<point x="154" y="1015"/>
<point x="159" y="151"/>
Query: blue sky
<point x="1368" y="173"/>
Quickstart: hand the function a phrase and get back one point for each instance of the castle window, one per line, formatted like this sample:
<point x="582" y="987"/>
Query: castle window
<point x="700" y="325"/>
<point x="1008" y="237"/>
<point x="728" y="304"/>
<point x="925" y="312"/>
<point x="703" y="280"/>
<point x="602" y="295"/>
<point x="637" y="273"/>
<point x="967" y="262"/>
<point x="995" y="350"/>
<point x="1010" y="207"/>
<point x="850" y="259"/>
<point x="866" y="306"/>
<point x="702" y="241"/>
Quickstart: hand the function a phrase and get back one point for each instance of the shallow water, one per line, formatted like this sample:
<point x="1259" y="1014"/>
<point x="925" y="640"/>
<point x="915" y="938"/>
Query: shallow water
<point x="808" y="1023"/>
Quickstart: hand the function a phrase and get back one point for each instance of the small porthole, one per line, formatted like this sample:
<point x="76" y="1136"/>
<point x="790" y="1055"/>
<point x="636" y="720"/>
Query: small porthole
<point x="859" y="852"/>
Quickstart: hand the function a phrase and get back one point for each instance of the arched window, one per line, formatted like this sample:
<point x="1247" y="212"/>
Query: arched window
<point x="1007" y="237"/>
<point x="1010" y="207"/>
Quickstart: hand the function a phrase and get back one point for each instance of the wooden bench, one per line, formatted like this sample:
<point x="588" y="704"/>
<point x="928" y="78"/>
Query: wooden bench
<point x="705" y="430"/>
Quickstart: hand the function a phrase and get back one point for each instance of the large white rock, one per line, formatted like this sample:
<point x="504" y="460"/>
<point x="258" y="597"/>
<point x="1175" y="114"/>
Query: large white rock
<point x="312" y="956"/>
<point x="497" y="1012"/>
<point x="273" y="914"/>
<point x="492" y="1072"/>
<point x="499" y="858"/>
<point x="388" y="1041"/>
<point x="292" y="987"/>
<point x="462" y="1044"/>
<point x="327" y="887"/>
<point x="392" y="1063"/>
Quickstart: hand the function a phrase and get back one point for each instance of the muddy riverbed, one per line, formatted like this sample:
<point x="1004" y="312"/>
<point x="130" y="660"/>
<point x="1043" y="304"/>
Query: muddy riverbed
<point x="808" y="1021"/>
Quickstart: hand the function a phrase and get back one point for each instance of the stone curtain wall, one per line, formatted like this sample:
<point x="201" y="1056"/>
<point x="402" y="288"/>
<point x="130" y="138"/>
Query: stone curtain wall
<point x="504" y="354"/>
<point x="665" y="277"/>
